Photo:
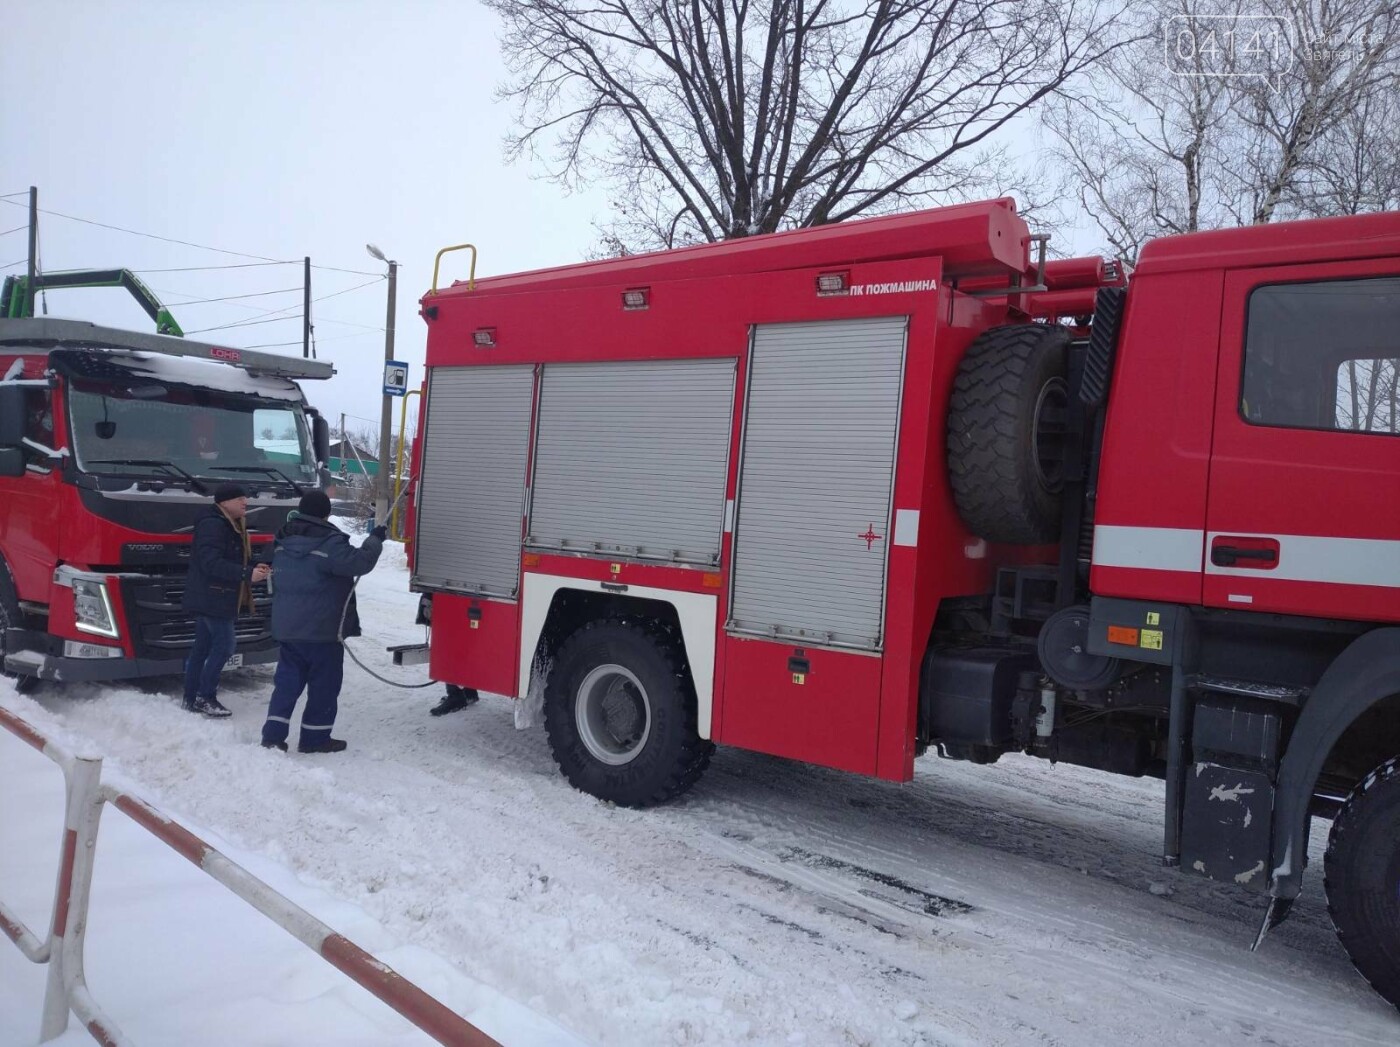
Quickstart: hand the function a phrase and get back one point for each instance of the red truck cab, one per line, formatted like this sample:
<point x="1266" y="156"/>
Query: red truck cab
<point x="110" y="445"/>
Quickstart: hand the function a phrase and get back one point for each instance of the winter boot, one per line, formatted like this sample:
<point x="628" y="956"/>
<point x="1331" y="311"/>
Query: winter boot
<point x="209" y="707"/>
<point x="330" y="745"/>
<point x="268" y="743"/>
<point x="455" y="698"/>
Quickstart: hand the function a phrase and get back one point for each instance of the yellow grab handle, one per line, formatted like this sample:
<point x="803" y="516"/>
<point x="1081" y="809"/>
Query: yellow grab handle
<point x="471" y="278"/>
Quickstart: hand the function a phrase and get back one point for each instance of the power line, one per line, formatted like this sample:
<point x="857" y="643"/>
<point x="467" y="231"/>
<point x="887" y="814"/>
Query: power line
<point x="151" y="236"/>
<point x="21" y="261"/>
<point x="16" y="229"/>
<point x="226" y="298"/>
<point x="251" y="321"/>
<point x="207" y="268"/>
<point x="182" y="243"/>
<point x="22" y="192"/>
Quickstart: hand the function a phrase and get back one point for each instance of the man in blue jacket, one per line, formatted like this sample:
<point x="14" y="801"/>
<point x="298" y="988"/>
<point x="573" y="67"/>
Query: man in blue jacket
<point x="216" y="590"/>
<point x="313" y="609"/>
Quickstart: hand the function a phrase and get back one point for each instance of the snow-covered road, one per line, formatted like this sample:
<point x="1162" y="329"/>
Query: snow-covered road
<point x="776" y="903"/>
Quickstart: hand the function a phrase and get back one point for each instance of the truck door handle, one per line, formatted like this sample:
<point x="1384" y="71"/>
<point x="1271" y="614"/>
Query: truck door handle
<point x="1261" y="556"/>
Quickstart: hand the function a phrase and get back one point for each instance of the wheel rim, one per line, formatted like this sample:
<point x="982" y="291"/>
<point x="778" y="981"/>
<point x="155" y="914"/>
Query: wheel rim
<point x="613" y="714"/>
<point x="1051" y="416"/>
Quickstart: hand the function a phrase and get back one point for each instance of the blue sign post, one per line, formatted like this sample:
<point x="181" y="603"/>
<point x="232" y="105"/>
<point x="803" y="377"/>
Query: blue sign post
<point x="395" y="378"/>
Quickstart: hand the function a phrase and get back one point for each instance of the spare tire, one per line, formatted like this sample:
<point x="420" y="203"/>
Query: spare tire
<point x="1006" y="433"/>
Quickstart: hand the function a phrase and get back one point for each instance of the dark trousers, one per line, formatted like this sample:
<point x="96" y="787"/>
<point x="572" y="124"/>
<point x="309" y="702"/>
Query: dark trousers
<point x="316" y="668"/>
<point x="213" y="643"/>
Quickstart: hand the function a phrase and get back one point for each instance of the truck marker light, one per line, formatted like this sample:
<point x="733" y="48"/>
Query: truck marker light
<point x="833" y="283"/>
<point x="711" y="581"/>
<point x="531" y="559"/>
<point x="1124" y="635"/>
<point x="636" y="298"/>
<point x="484" y="338"/>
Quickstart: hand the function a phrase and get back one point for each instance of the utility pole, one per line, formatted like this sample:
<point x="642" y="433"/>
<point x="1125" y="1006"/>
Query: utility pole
<point x="33" y="250"/>
<point x="381" y="487"/>
<point x="306" y="307"/>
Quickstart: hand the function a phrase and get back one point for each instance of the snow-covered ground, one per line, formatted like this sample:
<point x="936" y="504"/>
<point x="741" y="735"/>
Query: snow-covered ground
<point x="777" y="903"/>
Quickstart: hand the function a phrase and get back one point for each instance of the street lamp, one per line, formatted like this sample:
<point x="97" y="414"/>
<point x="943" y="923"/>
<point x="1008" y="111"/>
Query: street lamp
<point x="381" y="493"/>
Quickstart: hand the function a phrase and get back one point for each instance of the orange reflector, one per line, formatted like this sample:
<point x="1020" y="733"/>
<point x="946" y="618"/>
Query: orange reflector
<point x="1122" y="634"/>
<point x="531" y="560"/>
<point x="711" y="581"/>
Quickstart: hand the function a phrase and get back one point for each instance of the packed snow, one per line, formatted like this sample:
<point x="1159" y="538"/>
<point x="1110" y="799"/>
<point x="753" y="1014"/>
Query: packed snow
<point x="776" y="903"/>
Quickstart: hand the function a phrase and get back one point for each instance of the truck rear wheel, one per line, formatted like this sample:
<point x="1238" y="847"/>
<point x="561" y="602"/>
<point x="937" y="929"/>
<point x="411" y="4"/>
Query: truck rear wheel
<point x="1363" y="878"/>
<point x="620" y="713"/>
<point x="1006" y="433"/>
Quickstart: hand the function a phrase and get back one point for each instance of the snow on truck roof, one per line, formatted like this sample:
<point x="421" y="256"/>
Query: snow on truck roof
<point x="987" y="238"/>
<point x="105" y="363"/>
<point x="173" y="359"/>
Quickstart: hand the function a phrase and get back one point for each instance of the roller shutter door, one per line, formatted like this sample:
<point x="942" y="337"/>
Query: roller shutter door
<point x="632" y="458"/>
<point x="471" y="496"/>
<point x="813" y="516"/>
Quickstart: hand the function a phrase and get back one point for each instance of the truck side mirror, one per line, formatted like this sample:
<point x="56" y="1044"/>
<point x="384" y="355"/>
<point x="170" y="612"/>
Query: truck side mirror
<point x="11" y="461"/>
<point x="12" y="415"/>
<point x="321" y="439"/>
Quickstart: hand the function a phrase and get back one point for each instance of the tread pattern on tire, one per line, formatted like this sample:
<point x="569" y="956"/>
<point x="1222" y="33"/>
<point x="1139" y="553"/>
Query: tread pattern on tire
<point x="986" y="444"/>
<point x="1363" y="952"/>
<point x="695" y="755"/>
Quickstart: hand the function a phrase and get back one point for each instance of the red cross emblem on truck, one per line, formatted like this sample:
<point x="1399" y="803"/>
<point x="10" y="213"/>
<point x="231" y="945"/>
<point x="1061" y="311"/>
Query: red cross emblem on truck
<point x="870" y="536"/>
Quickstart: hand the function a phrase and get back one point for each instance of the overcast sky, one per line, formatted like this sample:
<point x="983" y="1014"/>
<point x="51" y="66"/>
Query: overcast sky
<point x="274" y="129"/>
<point x="280" y="130"/>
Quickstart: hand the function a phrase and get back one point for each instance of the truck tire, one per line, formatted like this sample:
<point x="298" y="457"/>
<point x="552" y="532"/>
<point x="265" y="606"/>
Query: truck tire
<point x="620" y="713"/>
<point x="1362" y="875"/>
<point x="11" y="618"/>
<point x="1006" y="433"/>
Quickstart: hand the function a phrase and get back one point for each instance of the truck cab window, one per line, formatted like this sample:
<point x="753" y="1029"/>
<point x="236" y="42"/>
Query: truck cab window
<point x="38" y="424"/>
<point x="1324" y="356"/>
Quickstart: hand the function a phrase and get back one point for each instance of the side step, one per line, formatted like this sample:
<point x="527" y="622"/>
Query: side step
<point x="409" y="654"/>
<point x="1250" y="689"/>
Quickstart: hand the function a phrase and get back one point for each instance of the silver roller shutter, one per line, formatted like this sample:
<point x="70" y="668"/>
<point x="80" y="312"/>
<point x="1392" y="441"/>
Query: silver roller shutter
<point x="632" y="457"/>
<point x="817" y="474"/>
<point x="471" y="495"/>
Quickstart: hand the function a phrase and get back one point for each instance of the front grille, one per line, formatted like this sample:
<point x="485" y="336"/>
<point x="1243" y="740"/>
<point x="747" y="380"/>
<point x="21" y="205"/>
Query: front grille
<point x="161" y="628"/>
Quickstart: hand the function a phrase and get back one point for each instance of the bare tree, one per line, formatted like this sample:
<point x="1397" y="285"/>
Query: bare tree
<point x="711" y="119"/>
<point x="1236" y="112"/>
<point x="1357" y="167"/>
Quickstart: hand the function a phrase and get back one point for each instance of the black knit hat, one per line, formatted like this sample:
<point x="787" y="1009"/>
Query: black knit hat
<point x="315" y="503"/>
<point x="227" y="492"/>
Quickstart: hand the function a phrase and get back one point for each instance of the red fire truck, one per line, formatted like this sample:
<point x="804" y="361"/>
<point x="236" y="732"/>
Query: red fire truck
<point x="110" y="444"/>
<point x="850" y="493"/>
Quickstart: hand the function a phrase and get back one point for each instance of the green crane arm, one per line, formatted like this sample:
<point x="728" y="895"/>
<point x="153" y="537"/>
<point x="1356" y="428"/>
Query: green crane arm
<point x="17" y="297"/>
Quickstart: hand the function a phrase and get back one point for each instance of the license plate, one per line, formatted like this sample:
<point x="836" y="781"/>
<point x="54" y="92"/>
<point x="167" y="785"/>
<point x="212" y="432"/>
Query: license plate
<point x="235" y="661"/>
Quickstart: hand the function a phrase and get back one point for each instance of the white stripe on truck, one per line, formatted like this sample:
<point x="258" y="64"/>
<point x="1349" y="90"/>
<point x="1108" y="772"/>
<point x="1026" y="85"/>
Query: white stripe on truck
<point x="1302" y="557"/>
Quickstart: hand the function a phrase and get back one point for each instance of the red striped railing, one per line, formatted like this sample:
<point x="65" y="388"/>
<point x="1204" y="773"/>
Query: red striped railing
<point x="62" y="949"/>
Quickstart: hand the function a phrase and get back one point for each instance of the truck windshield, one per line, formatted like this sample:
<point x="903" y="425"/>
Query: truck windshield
<point x="132" y="429"/>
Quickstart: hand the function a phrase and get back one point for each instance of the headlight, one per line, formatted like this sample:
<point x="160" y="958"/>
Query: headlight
<point x="92" y="610"/>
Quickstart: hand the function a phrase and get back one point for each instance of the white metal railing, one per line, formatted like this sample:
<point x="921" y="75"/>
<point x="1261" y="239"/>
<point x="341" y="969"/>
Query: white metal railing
<point x="62" y="949"/>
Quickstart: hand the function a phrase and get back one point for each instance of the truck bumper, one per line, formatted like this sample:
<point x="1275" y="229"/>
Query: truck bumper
<point x="31" y="660"/>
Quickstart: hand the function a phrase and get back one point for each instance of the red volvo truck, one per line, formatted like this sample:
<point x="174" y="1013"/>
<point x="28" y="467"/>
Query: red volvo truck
<point x="111" y="442"/>
<point x="851" y="493"/>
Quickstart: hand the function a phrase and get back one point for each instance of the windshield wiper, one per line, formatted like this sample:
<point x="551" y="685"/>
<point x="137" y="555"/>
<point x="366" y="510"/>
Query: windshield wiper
<point x="154" y="463"/>
<point x="265" y="470"/>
